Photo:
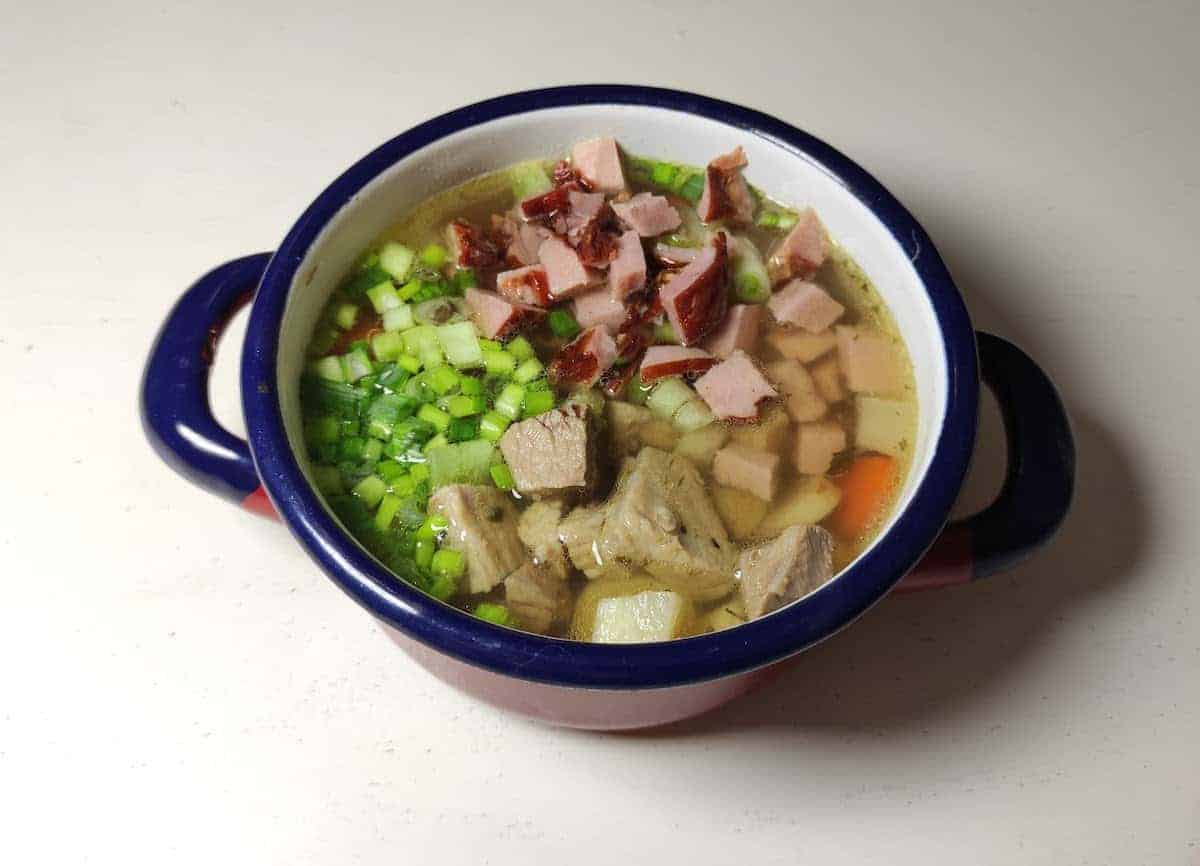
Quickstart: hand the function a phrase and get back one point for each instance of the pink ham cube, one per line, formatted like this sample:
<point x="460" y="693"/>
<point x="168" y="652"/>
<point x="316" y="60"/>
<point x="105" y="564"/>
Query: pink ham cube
<point x="627" y="271"/>
<point x="566" y="274"/>
<point x="806" y="305"/>
<point x="598" y="161"/>
<point x="497" y="316"/>
<point x="734" y="388"/>
<point x="527" y="285"/>
<point x="599" y="307"/>
<point x="647" y="214"/>
<point x="803" y="251"/>
<point x="739" y="330"/>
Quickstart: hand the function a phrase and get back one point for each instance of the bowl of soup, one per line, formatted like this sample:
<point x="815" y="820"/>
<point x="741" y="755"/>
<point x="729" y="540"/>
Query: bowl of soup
<point x="608" y="400"/>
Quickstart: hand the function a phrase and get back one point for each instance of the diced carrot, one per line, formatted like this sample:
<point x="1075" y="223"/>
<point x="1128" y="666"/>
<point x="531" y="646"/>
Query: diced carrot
<point x="866" y="487"/>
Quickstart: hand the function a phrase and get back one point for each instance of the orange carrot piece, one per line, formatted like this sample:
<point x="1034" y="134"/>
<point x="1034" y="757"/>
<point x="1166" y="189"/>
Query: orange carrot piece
<point x="866" y="487"/>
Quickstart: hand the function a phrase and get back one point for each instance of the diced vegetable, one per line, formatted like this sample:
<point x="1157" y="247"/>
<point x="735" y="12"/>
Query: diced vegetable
<point x="647" y="616"/>
<point x="865" y="489"/>
<point x="434" y="256"/>
<point x="329" y="368"/>
<point x="387" y="346"/>
<point x="411" y="363"/>
<point x="741" y="512"/>
<point x="701" y="444"/>
<point x="520" y="348"/>
<point x="663" y="173"/>
<point x="508" y="403"/>
<point x="461" y="463"/>
<point x="502" y="476"/>
<point x="388" y="508"/>
<point x="370" y="490"/>
<point x="345" y="316"/>
<point x="423" y="342"/>
<point x="563" y="324"/>
<point x="751" y="284"/>
<point x="528" y="371"/>
<point x="728" y="615"/>
<point x="537" y="402"/>
<point x="659" y="433"/>
<point x="498" y="362"/>
<point x="882" y="425"/>
<point x="463" y="279"/>
<point x="435" y="416"/>
<point x="462" y="405"/>
<point x="398" y="318"/>
<point x="462" y="429"/>
<point x="355" y="365"/>
<point x="397" y="260"/>
<point x="692" y="188"/>
<point x="528" y="179"/>
<point x="383" y="297"/>
<point x="461" y="344"/>
<point x="443" y="379"/>
<point x="385" y="412"/>
<point x="497" y="614"/>
<point x="807" y="502"/>
<point x="668" y="396"/>
<point x="423" y="553"/>
<point x="492" y="426"/>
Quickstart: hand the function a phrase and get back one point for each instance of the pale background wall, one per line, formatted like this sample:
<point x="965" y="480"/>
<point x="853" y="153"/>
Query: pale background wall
<point x="178" y="684"/>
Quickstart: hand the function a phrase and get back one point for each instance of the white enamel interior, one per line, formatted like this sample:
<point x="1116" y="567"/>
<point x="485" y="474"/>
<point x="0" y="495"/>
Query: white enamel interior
<point x="791" y="177"/>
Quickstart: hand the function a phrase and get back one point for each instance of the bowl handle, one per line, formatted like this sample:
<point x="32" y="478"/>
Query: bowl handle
<point x="176" y="413"/>
<point x="1037" y="486"/>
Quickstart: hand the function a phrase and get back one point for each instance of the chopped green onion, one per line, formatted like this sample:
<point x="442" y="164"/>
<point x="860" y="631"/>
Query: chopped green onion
<point x="637" y="390"/>
<point x="370" y="490"/>
<point x="462" y="405"/>
<point x="490" y="345"/>
<point x="389" y="471"/>
<point x="443" y="587"/>
<point x="372" y="451"/>
<point x="520" y="348"/>
<point x="397" y="260"/>
<point x="462" y="430"/>
<point x="325" y="395"/>
<point x="498" y="363"/>
<point x="443" y="379"/>
<point x="528" y="179"/>
<point x="363" y="279"/>
<point x="423" y="553"/>
<point x="496" y="614"/>
<point x="460" y="463"/>
<point x="692" y="188"/>
<point x="409" y="290"/>
<point x="663" y="173"/>
<point x="355" y="365"/>
<point x="387" y="346"/>
<point x="449" y="562"/>
<point x="345" y="316"/>
<point x="383" y="296"/>
<point x="329" y="368"/>
<point x="410" y="363"/>
<point x="388" y="507"/>
<point x="433" y="415"/>
<point x="492" y="426"/>
<point x="528" y="371"/>
<point x="470" y="386"/>
<point x="463" y="279"/>
<point x="509" y="401"/>
<point x="398" y="318"/>
<point x="460" y="344"/>
<point x="787" y="221"/>
<point x="434" y="256"/>
<point x="502" y="476"/>
<point x="537" y="402"/>
<point x="438" y="441"/>
<point x="563" y="324"/>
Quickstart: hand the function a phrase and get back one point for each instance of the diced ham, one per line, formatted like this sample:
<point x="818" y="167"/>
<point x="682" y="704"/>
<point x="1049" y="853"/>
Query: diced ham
<point x="662" y="361"/>
<point x="827" y="375"/>
<point x="675" y="256"/>
<point x="739" y="330"/>
<point x="468" y="249"/>
<point x="565" y="272"/>
<point x="599" y="163"/>
<point x="816" y="445"/>
<point x="545" y="205"/>
<point x="584" y="359"/>
<point x="695" y="299"/>
<point x="868" y="360"/>
<point x="734" y="388"/>
<point x="800" y="345"/>
<point x="527" y="285"/>
<point x="598" y="307"/>
<point x="726" y="194"/>
<point x="499" y="317"/>
<point x="802" y="252"/>
<point x="564" y="174"/>
<point x="582" y="208"/>
<point x="597" y="240"/>
<point x="806" y="305"/>
<point x="803" y="401"/>
<point x="756" y="472"/>
<point x="627" y="272"/>
<point x="648" y="214"/>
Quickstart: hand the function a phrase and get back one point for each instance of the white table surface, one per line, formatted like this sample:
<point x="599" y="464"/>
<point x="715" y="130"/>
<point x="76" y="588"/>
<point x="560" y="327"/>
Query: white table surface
<point x="178" y="684"/>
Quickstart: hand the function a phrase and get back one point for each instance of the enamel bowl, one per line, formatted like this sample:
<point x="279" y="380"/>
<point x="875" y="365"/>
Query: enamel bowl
<point x="590" y="685"/>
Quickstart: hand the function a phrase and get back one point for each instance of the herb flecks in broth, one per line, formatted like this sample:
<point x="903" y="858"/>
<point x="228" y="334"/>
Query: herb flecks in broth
<point x="556" y="397"/>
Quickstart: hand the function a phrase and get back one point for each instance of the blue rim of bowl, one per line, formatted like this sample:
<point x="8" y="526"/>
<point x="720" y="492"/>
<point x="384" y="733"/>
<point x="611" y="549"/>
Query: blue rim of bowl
<point x="569" y="663"/>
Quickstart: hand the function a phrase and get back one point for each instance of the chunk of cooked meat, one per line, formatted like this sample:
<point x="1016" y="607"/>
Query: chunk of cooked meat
<point x="525" y="285"/>
<point x="660" y="361"/>
<point x="805" y="304"/>
<point x="785" y="569"/>
<point x="598" y="162"/>
<point x="739" y="330"/>
<point x="648" y="214"/>
<point x="539" y="600"/>
<point x="538" y="530"/>
<point x="597" y="307"/>
<point x="802" y="252"/>
<point x="624" y="422"/>
<point x="468" y="247"/>
<point x="585" y="359"/>
<point x="726" y="194"/>
<point x="500" y="317"/>
<point x="734" y="388"/>
<point x="627" y="271"/>
<point x="659" y="519"/>
<point x="483" y="526"/>
<point x="552" y="453"/>
<point x="696" y="298"/>
<point x="566" y="274"/>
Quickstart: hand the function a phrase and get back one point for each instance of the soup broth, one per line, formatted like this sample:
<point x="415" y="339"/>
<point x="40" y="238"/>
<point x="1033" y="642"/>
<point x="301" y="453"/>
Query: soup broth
<point x="610" y="398"/>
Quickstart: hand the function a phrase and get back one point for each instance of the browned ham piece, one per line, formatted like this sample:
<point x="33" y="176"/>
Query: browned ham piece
<point x="695" y="299"/>
<point x="468" y="248"/>
<point x="584" y="359"/>
<point x="627" y="271"/>
<point x="527" y="285"/>
<point x="802" y="252"/>
<point x="598" y="307"/>
<point x="598" y="162"/>
<point x="499" y="317"/>
<point x="660" y="361"/>
<point x="648" y="214"/>
<point x="726" y="194"/>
